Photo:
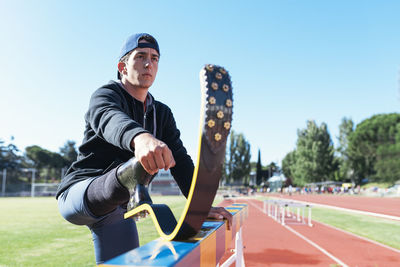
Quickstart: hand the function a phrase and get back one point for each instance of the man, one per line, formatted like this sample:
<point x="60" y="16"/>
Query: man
<point x="126" y="131"/>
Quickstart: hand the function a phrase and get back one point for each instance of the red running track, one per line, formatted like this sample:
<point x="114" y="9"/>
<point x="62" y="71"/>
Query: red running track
<point x="387" y="206"/>
<point x="268" y="243"/>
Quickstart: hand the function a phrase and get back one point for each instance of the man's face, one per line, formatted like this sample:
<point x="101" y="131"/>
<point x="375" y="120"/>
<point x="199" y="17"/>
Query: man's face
<point x="141" y="68"/>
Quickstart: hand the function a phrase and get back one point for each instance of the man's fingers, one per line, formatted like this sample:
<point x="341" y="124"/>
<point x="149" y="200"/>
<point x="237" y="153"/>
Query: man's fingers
<point x="221" y="213"/>
<point x="155" y="161"/>
<point x="152" y="153"/>
<point x="159" y="160"/>
<point x="151" y="166"/>
<point x="215" y="215"/>
<point x="173" y="163"/>
<point x="168" y="159"/>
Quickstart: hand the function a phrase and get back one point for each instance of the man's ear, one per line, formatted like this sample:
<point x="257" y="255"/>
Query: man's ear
<point x="121" y="67"/>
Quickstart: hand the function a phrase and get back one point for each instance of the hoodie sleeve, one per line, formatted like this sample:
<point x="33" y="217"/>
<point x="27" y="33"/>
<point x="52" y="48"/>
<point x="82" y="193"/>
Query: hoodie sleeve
<point x="183" y="170"/>
<point x="108" y="118"/>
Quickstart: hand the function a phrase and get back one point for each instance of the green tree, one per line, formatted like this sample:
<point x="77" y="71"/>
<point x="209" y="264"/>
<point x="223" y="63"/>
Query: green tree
<point x="289" y="164"/>
<point x="315" y="160"/>
<point x="3" y="151"/>
<point x="259" y="169"/>
<point x="272" y="168"/>
<point x="373" y="148"/>
<point x="238" y="159"/>
<point x="387" y="166"/>
<point x="69" y="153"/>
<point x="346" y="128"/>
<point x="228" y="163"/>
<point x="48" y="163"/>
<point x="38" y="156"/>
<point x="9" y="158"/>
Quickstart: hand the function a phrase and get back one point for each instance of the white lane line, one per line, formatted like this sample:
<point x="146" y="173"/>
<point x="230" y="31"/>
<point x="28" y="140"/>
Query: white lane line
<point x="309" y="241"/>
<point x="254" y="205"/>
<point x="360" y="237"/>
<point x="316" y="246"/>
<point x="349" y="233"/>
<point x="391" y="217"/>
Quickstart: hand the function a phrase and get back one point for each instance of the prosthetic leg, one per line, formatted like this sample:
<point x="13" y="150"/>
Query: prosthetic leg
<point x="132" y="175"/>
<point x="215" y="124"/>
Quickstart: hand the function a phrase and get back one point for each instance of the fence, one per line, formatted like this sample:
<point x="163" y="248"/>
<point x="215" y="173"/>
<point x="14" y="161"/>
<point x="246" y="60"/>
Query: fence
<point x="23" y="183"/>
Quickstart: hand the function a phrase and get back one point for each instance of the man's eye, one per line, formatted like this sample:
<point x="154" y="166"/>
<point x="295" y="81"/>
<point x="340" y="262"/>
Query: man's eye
<point x="155" y="59"/>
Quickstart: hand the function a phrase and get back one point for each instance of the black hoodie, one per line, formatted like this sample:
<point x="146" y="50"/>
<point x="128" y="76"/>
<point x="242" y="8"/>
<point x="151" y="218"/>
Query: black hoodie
<point x="113" y="119"/>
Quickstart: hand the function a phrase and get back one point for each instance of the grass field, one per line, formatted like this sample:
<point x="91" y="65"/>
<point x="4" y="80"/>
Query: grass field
<point x="33" y="233"/>
<point x="381" y="230"/>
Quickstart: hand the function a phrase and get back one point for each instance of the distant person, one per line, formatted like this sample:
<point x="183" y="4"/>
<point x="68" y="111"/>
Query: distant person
<point x="128" y="134"/>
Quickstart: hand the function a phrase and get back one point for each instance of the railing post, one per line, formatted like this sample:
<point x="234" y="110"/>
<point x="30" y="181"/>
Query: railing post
<point x="239" y="249"/>
<point x="264" y="206"/>
<point x="238" y="256"/>
<point x="298" y="214"/>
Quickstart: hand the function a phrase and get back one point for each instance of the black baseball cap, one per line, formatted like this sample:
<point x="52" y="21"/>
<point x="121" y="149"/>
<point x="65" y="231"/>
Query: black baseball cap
<point x="133" y="42"/>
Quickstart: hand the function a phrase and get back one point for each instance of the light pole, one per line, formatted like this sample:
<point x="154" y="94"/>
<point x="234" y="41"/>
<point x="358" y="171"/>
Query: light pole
<point x="3" y="188"/>
<point x="33" y="179"/>
<point x="33" y="182"/>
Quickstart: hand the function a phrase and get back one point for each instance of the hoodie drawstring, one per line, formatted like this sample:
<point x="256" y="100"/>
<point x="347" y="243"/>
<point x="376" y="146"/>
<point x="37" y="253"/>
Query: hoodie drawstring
<point x="154" y="121"/>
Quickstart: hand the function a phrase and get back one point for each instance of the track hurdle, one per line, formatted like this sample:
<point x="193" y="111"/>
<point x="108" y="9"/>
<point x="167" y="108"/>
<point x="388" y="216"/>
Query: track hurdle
<point x="284" y="211"/>
<point x="204" y="249"/>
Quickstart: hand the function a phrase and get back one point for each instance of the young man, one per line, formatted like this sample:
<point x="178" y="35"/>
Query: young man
<point x="128" y="136"/>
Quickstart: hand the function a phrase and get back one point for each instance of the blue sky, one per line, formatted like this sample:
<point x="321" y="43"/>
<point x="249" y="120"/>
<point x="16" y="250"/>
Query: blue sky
<point x="290" y="61"/>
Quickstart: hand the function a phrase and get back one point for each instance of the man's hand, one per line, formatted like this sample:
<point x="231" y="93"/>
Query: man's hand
<point x="220" y="213"/>
<point x="152" y="153"/>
